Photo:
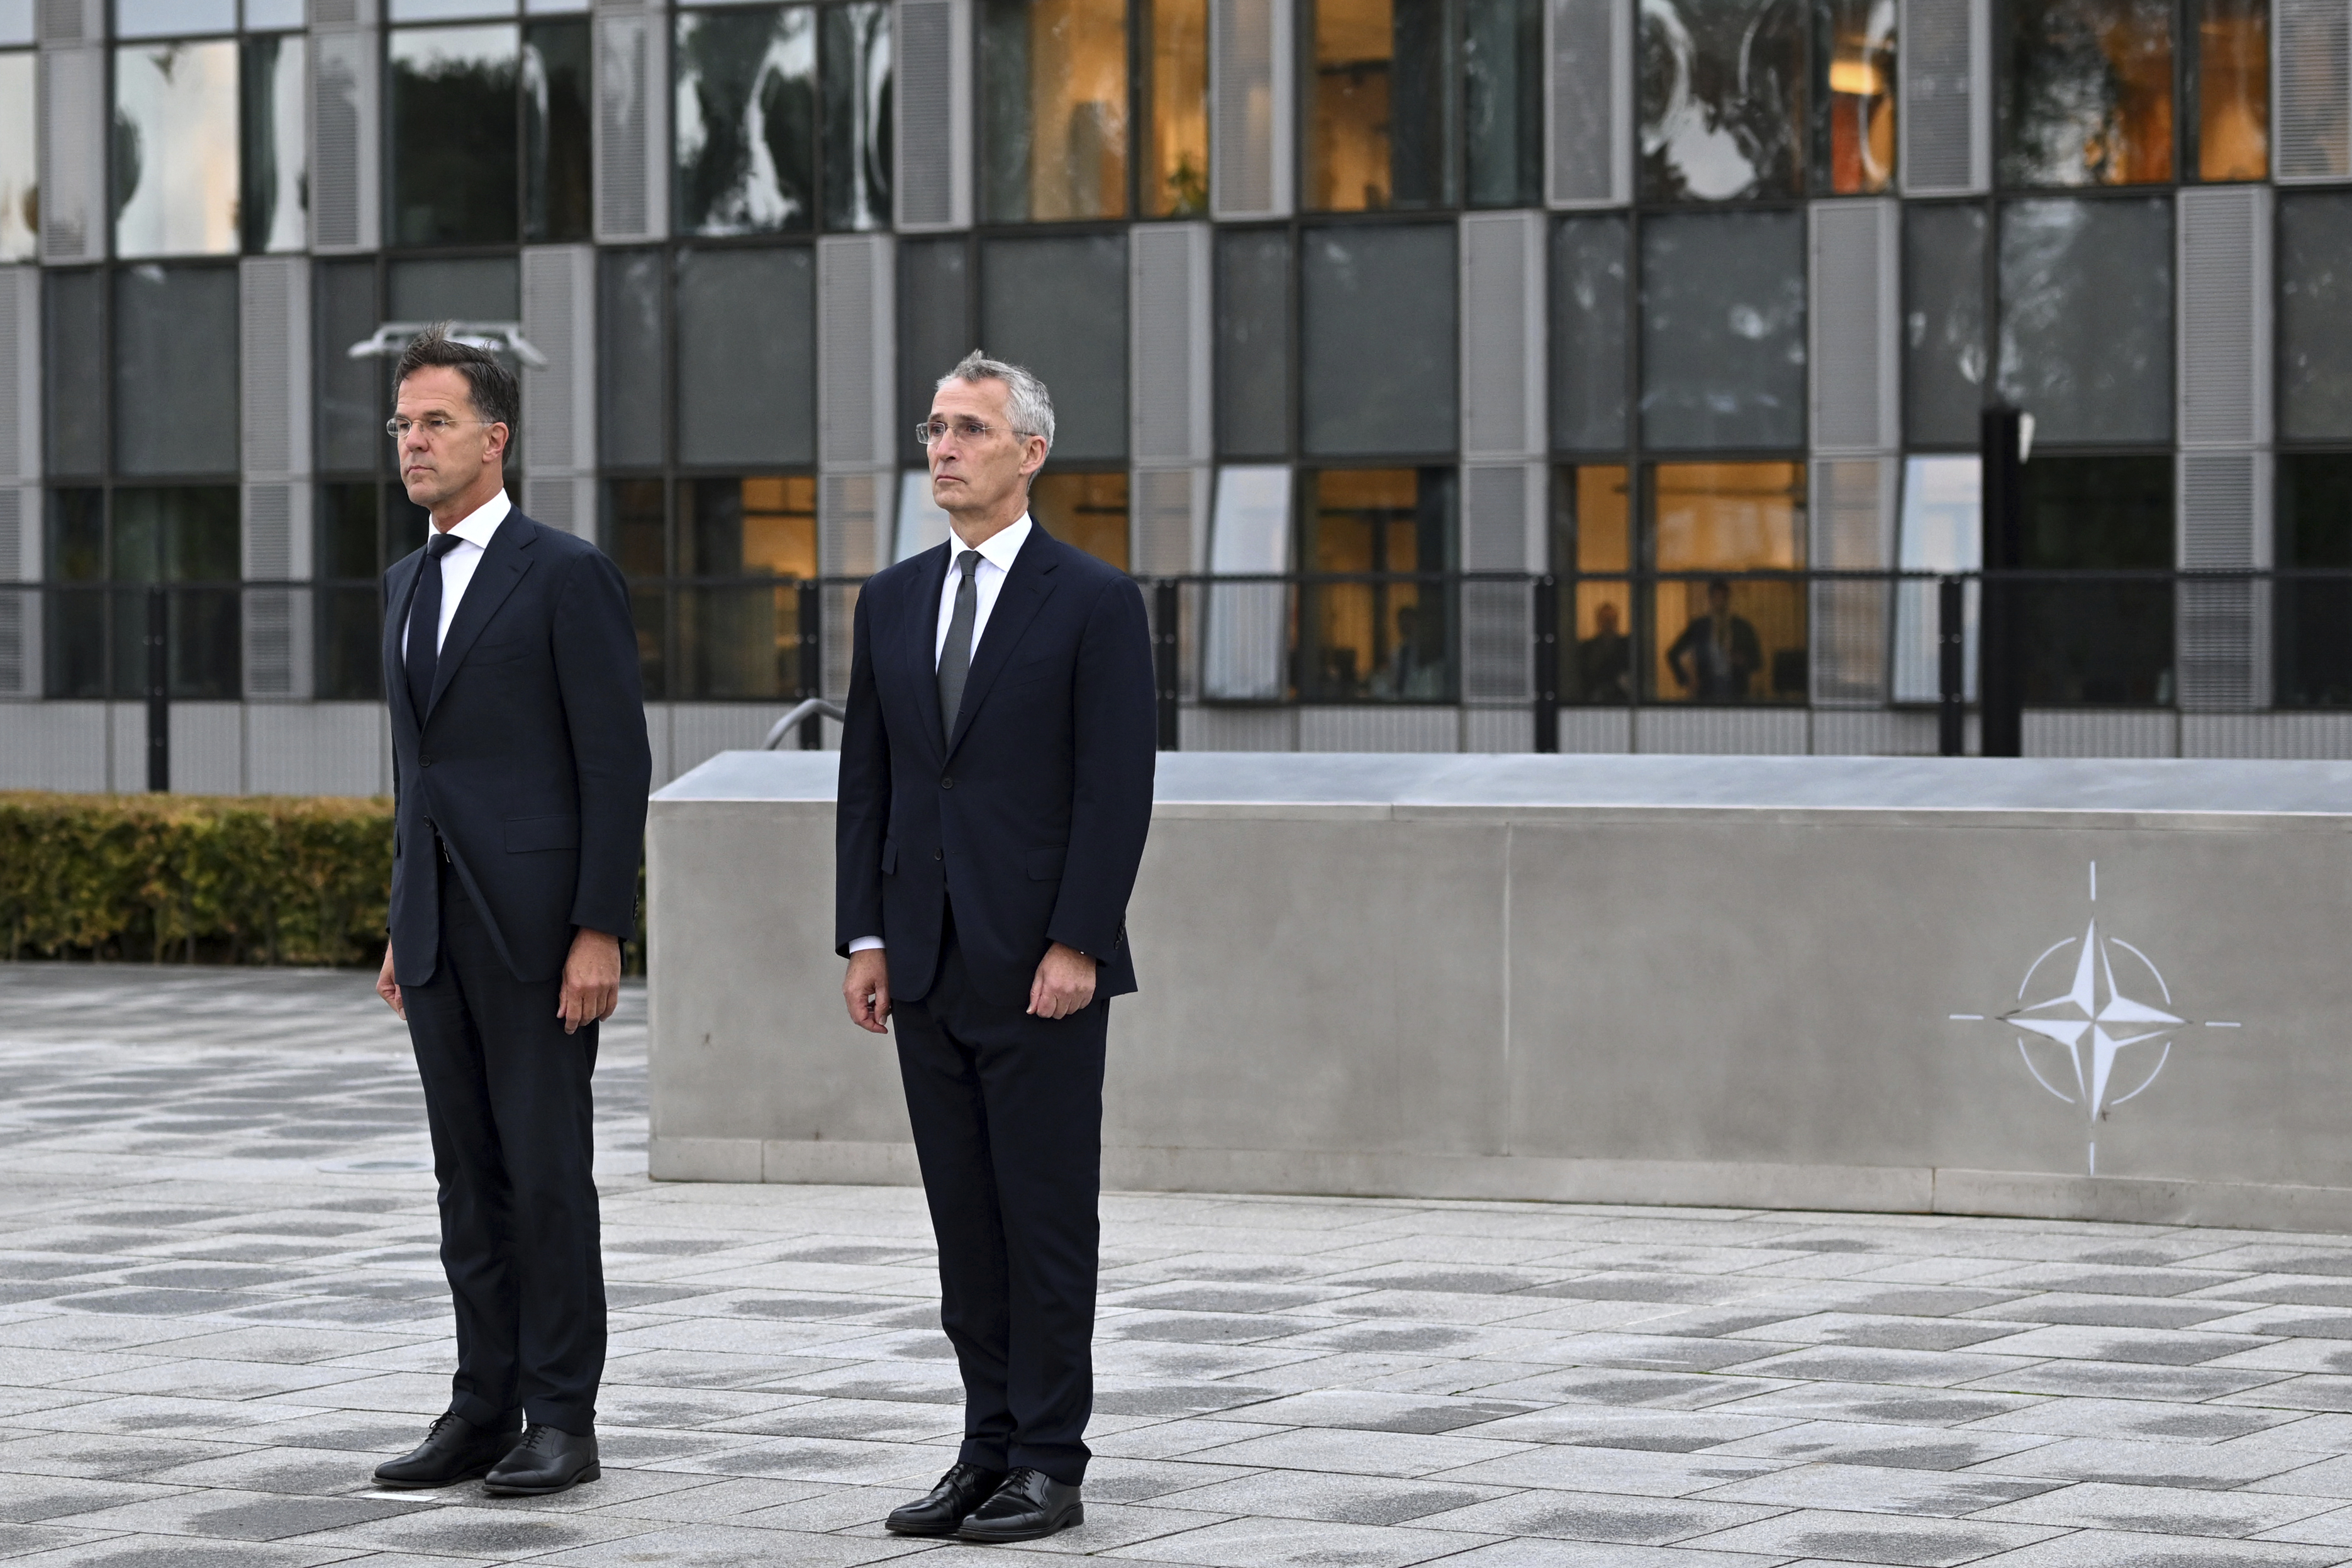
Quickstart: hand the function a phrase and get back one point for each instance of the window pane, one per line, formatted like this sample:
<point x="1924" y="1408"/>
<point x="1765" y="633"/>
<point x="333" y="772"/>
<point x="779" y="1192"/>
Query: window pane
<point x="1502" y="75"/>
<point x="19" y="164"/>
<point x="1588" y="333"/>
<point x="473" y="289"/>
<point x="556" y="146"/>
<point x="746" y="107"/>
<point x="1943" y="323"/>
<point x="1379" y="137"/>
<point x="452" y="148"/>
<point x="855" y="67"/>
<point x="744" y="642"/>
<point x="74" y="367"/>
<point x="2086" y="92"/>
<point x="275" y="211"/>
<point x="2086" y="317"/>
<point x="1089" y="510"/>
<point x="1723" y="330"/>
<point x="1377" y="340"/>
<point x="635" y="534"/>
<point x="1245" y="634"/>
<point x="175" y="382"/>
<point x="1380" y="641"/>
<point x="1253" y="342"/>
<point x="176" y="164"/>
<point x="1718" y="640"/>
<point x="74" y="635"/>
<point x="2234" y="90"/>
<point x="1053" y="109"/>
<point x="1942" y="530"/>
<point x="1723" y="99"/>
<point x="178" y="534"/>
<point x="2314" y="315"/>
<point x="163" y="19"/>
<point x="2315" y="619"/>
<point x="2100" y="643"/>
<point x="346" y="533"/>
<point x="1854" y="96"/>
<point x="351" y="392"/>
<point x="346" y="625"/>
<point x="629" y="365"/>
<point x="934" y="329"/>
<point x="1592" y="533"/>
<point x="1059" y="306"/>
<point x="746" y="357"/>
<point x="1176" y="138"/>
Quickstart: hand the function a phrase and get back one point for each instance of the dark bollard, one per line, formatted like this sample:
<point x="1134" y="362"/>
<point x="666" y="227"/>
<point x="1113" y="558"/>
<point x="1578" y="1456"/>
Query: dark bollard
<point x="1166" y="600"/>
<point x="1951" y="668"/>
<point x="1547" y="653"/>
<point x="159" y="688"/>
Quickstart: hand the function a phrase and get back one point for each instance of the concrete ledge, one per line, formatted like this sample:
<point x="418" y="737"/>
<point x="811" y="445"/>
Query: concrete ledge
<point x="2144" y="1200"/>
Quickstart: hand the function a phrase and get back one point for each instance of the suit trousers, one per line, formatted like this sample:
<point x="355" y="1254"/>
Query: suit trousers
<point x="1007" y="1114"/>
<point x="507" y="1096"/>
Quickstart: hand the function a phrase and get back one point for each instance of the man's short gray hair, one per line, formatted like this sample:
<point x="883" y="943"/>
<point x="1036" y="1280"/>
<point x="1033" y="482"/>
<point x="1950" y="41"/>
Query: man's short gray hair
<point x="1029" y="404"/>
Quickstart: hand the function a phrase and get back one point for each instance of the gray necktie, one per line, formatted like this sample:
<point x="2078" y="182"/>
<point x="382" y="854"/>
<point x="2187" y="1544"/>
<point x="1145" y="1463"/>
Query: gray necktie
<point x="955" y="659"/>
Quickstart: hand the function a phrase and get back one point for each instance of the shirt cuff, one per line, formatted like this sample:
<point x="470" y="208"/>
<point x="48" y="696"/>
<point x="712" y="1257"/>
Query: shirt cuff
<point x="865" y="944"/>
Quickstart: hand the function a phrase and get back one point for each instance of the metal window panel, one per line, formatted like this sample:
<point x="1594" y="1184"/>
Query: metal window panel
<point x="274" y="364"/>
<point x="1854" y="314"/>
<point x="933" y="114"/>
<point x="1851" y="520"/>
<point x="559" y="319"/>
<point x="73" y="154"/>
<point x="276" y="622"/>
<point x="1502" y="530"/>
<point x="20" y="378"/>
<point x="1252" y="88"/>
<point x="1504" y="334"/>
<point x="2223" y="273"/>
<point x="855" y="534"/>
<point x="345" y="12"/>
<point x="1168" y="336"/>
<point x="631" y="128"/>
<point x="1946" y="126"/>
<point x="2311" y="90"/>
<point x="856" y="351"/>
<point x="2222" y="628"/>
<point x="1588" y="103"/>
<point x="20" y="609"/>
<point x="561" y="500"/>
<point x="1171" y="520"/>
<point x="69" y="21"/>
<point x="346" y="137"/>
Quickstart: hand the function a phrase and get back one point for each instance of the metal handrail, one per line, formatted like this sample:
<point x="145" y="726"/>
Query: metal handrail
<point x="810" y="708"/>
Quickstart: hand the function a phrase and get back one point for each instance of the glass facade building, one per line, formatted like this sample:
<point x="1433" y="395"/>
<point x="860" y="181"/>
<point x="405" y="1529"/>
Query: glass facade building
<point x="1685" y="302"/>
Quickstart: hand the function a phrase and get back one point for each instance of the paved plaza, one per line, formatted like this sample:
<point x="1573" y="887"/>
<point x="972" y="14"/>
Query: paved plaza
<point x="220" y="1306"/>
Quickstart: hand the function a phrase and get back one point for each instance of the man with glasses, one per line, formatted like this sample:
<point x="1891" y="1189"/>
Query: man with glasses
<point x="520" y="767"/>
<point x="996" y="789"/>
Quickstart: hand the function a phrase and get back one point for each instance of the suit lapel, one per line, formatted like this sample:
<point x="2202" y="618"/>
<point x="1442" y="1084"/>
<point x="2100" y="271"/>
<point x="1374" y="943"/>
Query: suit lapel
<point x="402" y="597"/>
<point x="502" y="566"/>
<point x="922" y="642"/>
<point x="1026" y="587"/>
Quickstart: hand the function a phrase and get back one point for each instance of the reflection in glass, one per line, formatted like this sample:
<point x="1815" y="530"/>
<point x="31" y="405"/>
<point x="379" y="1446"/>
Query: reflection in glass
<point x="1592" y="538"/>
<point x="635" y="535"/>
<point x="1723" y="99"/>
<point x="177" y="534"/>
<point x="1723" y="330"/>
<point x="1942" y="530"/>
<point x="347" y="627"/>
<point x="2086" y="92"/>
<point x="73" y="370"/>
<point x="1245" y="624"/>
<point x="2314" y="314"/>
<point x="1053" y="109"/>
<point x="1588" y="333"/>
<point x="2234" y="90"/>
<point x="556" y="137"/>
<point x="20" y="176"/>
<point x="351" y="393"/>
<point x="1377" y="340"/>
<point x="2096" y="643"/>
<point x="176" y="162"/>
<point x="1089" y="510"/>
<point x="1253" y="359"/>
<point x="1378" y="136"/>
<point x="1854" y="96"/>
<point x="453" y="135"/>
<point x="2315" y="618"/>
<point x="1714" y="639"/>
<point x="1943" y="322"/>
<point x="744" y="641"/>
<point x="629" y="367"/>
<point x="1059" y="306"/>
<point x="934" y="328"/>
<point x="74" y="627"/>
<point x="1384" y="640"/>
<point x="746" y="107"/>
<point x="275" y="213"/>
<point x="2086" y="317"/>
<point x="746" y="373"/>
<point x="854" y="65"/>
<point x="1176" y="134"/>
<point x="1502" y="77"/>
<point x="175" y="363"/>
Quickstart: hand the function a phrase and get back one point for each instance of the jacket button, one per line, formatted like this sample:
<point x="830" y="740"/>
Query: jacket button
<point x="424" y="762"/>
<point x="947" y="783"/>
<point x="936" y="855"/>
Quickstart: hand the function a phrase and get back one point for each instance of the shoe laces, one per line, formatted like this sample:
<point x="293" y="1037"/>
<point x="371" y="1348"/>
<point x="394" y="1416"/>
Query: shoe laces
<point x="535" y="1438"/>
<point x="441" y="1424"/>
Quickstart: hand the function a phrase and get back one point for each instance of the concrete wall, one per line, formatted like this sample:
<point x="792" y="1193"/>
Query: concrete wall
<point x="1678" y="980"/>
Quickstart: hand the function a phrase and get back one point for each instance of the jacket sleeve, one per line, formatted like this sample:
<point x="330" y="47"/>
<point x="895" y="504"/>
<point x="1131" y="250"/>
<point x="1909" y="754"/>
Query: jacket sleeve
<point x="862" y="807"/>
<point x="604" y="709"/>
<point x="1115" y="747"/>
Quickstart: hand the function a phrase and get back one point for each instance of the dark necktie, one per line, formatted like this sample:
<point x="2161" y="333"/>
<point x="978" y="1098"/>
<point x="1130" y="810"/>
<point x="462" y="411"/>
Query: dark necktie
<point x="424" y="623"/>
<point x="955" y="659"/>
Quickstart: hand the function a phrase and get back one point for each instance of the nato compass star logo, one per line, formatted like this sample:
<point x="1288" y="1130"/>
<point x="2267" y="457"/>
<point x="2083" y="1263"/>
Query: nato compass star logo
<point x="2104" y="1037"/>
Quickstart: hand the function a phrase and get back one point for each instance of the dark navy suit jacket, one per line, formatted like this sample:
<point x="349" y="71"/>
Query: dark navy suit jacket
<point x="1032" y="818"/>
<point x="530" y="758"/>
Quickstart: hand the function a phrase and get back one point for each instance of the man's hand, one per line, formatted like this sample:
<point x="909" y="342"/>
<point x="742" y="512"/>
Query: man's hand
<point x="867" y="989"/>
<point x="388" y="988"/>
<point x="1064" y="983"/>
<point x="591" y="980"/>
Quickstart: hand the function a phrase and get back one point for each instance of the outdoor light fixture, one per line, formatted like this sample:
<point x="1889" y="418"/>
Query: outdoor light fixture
<point x="500" y="336"/>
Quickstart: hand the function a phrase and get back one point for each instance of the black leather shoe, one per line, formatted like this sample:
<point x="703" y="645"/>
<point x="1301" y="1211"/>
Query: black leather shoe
<point x="946" y="1505"/>
<point x="548" y="1459"/>
<point x="454" y="1450"/>
<point x="1029" y="1504"/>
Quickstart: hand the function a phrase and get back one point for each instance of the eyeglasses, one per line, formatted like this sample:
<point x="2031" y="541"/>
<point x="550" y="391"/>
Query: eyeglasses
<point x="933" y="432"/>
<point x="434" y="425"/>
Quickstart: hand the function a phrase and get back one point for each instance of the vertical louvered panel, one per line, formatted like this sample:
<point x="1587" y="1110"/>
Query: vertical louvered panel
<point x="1851" y="527"/>
<point x="933" y="112"/>
<point x="345" y="136"/>
<point x="1946" y="123"/>
<point x="2223" y="627"/>
<point x="1168" y="345"/>
<point x="1503" y="334"/>
<point x="2311" y="90"/>
<point x="559" y="319"/>
<point x="1589" y="102"/>
<point x="69" y="21"/>
<point x="1171" y="520"/>
<point x="274" y="364"/>
<point x="856" y="351"/>
<point x="854" y="537"/>
<point x="631" y="128"/>
<point x="20" y="379"/>
<point x="566" y="501"/>
<point x="73" y="153"/>
<point x="20" y="650"/>
<point x="1853" y="320"/>
<point x="1502" y="530"/>
<point x="2223" y="235"/>
<point x="1251" y="87"/>
<point x="277" y="621"/>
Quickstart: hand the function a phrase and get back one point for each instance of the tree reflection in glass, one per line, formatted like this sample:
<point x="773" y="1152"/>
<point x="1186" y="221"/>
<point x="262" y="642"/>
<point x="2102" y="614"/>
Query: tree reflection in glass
<point x="19" y="171"/>
<point x="453" y="135"/>
<point x="1854" y="96"/>
<point x="1723" y="99"/>
<point x="2086" y="93"/>
<point x="176" y="162"/>
<point x="276" y="213"/>
<point x="746" y="110"/>
<point x="854" y="66"/>
<point x="556" y="136"/>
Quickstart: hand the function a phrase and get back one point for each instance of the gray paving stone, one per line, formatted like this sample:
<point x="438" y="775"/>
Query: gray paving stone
<point x="2160" y="1510"/>
<point x="1598" y="1517"/>
<point x="1877" y="1489"/>
<point x="1265" y="1542"/>
<point x="1874" y="1538"/>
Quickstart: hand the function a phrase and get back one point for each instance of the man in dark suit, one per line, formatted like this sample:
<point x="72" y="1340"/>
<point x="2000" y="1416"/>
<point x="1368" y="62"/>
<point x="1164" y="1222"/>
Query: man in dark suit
<point x="520" y="767"/>
<point x="995" y="789"/>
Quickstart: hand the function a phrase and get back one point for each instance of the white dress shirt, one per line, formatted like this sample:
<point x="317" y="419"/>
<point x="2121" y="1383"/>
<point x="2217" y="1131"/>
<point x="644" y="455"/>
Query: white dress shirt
<point x="987" y="581"/>
<point x="473" y="531"/>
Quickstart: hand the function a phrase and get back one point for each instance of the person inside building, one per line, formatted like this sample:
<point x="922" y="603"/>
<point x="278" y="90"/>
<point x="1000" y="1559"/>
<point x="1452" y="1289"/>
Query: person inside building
<point x="1718" y="653"/>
